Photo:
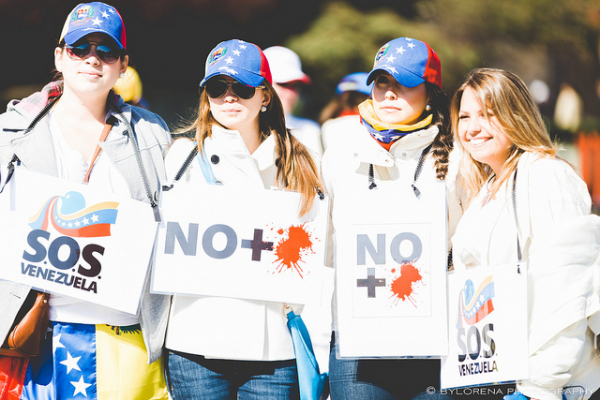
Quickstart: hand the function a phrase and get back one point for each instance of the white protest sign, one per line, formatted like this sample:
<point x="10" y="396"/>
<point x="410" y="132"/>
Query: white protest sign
<point x="220" y="241"/>
<point x="66" y="238"/>
<point x="488" y="327"/>
<point x="391" y="277"/>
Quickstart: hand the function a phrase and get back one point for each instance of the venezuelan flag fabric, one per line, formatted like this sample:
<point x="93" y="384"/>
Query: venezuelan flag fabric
<point x="80" y="361"/>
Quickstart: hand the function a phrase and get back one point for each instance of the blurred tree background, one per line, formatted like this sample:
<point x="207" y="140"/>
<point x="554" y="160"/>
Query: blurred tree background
<point x="552" y="43"/>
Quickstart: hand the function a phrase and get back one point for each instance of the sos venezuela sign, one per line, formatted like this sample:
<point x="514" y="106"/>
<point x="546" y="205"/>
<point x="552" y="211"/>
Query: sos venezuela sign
<point x="67" y="239"/>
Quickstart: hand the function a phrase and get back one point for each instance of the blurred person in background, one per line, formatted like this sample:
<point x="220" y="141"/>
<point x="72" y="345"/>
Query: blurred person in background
<point x="130" y="88"/>
<point x="288" y="81"/>
<point x="340" y="117"/>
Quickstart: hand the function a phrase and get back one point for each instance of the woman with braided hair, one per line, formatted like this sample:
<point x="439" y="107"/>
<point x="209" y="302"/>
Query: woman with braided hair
<point x="404" y="150"/>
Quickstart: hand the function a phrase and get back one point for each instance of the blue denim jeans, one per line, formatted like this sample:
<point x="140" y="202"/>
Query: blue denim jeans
<point x="195" y="377"/>
<point x="383" y="379"/>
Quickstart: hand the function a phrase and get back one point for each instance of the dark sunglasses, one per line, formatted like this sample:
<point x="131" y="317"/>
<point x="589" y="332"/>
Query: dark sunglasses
<point x="216" y="88"/>
<point x="106" y="53"/>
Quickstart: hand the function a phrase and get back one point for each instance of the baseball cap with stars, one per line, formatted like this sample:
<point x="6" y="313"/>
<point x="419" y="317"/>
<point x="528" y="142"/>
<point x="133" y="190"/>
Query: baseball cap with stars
<point x="410" y="61"/>
<point x="94" y="17"/>
<point x="243" y="61"/>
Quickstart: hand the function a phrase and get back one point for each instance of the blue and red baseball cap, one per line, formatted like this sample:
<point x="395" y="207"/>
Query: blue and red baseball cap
<point x="243" y="61"/>
<point x="94" y="17"/>
<point x="410" y="61"/>
<point x="356" y="82"/>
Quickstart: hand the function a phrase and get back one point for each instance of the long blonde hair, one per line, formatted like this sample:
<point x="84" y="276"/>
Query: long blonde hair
<point x="296" y="169"/>
<point x="507" y="97"/>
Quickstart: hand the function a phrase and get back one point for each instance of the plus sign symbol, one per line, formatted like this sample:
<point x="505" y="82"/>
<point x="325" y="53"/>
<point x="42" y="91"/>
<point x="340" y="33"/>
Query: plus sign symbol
<point x="371" y="282"/>
<point x="257" y="244"/>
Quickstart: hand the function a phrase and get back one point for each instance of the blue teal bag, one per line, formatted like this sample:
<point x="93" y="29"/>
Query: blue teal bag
<point x="311" y="381"/>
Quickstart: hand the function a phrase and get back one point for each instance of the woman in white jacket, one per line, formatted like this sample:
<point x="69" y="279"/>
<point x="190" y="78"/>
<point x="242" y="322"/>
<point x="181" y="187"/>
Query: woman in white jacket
<point x="222" y="348"/>
<point x="403" y="150"/>
<point x="504" y="136"/>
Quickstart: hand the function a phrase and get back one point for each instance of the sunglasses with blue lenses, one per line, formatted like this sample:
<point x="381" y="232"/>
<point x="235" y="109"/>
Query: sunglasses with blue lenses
<point x="216" y="88"/>
<point x="108" y="53"/>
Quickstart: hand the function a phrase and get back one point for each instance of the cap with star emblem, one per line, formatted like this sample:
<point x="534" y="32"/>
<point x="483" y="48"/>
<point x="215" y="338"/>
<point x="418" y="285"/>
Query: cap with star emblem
<point x="94" y="17"/>
<point x="243" y="61"/>
<point x="410" y="61"/>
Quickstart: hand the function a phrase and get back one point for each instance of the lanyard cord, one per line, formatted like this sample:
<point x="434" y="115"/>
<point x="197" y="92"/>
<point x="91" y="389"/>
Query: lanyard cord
<point x="514" y="199"/>
<point x="418" y="169"/>
<point x="138" y="158"/>
<point x="15" y="158"/>
<point x="208" y="171"/>
<point x="186" y="164"/>
<point x="209" y="176"/>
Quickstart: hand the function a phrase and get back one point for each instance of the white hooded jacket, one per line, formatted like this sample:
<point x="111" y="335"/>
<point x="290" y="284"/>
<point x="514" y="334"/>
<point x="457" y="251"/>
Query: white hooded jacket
<point x="561" y="246"/>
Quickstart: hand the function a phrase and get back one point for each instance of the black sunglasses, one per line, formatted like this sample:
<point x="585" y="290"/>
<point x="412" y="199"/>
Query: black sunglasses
<point x="216" y="88"/>
<point x="105" y="52"/>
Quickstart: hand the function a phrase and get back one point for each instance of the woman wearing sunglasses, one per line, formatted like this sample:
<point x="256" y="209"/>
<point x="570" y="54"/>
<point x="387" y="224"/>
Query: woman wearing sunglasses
<point x="91" y="351"/>
<point x="226" y="348"/>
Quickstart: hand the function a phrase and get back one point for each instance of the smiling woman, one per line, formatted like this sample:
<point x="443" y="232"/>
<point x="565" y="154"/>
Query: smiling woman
<point x="481" y="134"/>
<point x="58" y="132"/>
<point x="513" y="175"/>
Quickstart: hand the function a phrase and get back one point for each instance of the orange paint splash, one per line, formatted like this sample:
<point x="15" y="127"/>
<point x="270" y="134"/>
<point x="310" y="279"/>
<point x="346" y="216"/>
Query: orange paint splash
<point x="289" y="251"/>
<point x="402" y="287"/>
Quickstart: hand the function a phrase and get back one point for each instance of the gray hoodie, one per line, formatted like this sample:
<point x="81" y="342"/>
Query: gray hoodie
<point x="35" y="151"/>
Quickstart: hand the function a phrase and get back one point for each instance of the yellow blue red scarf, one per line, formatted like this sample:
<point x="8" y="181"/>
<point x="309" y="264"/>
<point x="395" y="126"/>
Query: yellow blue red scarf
<point x="385" y="132"/>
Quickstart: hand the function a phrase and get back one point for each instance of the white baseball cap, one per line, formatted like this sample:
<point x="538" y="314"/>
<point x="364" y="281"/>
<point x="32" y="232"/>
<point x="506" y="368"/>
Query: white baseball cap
<point x="285" y="65"/>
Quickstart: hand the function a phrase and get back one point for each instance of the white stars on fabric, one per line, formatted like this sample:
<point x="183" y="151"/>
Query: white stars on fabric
<point x="71" y="363"/>
<point x="390" y="59"/>
<point x="80" y="387"/>
<point x="378" y="136"/>
<point x="411" y="45"/>
<point x="400" y="50"/>
<point x="105" y="14"/>
<point x="229" y="60"/>
<point x="243" y="46"/>
<point x="97" y="21"/>
<point x="56" y="342"/>
<point x="236" y="52"/>
<point x="94" y="218"/>
<point x="393" y="70"/>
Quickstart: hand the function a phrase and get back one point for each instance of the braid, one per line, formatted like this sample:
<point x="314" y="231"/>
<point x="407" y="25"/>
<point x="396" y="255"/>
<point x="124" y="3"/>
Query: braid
<point x="443" y="142"/>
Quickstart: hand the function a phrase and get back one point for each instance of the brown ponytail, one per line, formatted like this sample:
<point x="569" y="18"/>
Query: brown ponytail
<point x="443" y="142"/>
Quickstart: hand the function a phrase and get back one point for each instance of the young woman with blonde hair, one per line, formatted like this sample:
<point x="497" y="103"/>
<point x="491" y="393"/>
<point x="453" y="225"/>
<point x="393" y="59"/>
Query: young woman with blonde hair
<point x="518" y="187"/>
<point x="222" y="348"/>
